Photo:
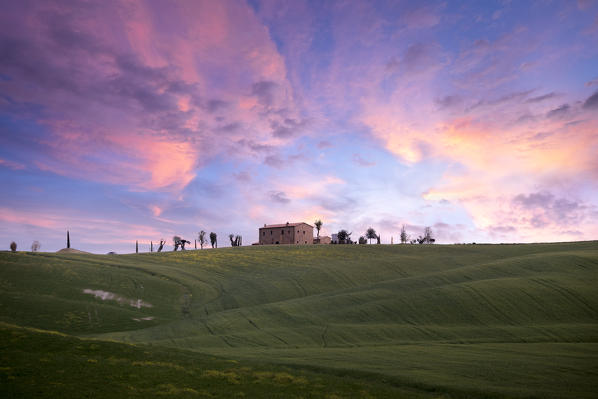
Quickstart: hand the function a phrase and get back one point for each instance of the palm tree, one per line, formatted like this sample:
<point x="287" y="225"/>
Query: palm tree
<point x="318" y="224"/>
<point x="370" y="233"/>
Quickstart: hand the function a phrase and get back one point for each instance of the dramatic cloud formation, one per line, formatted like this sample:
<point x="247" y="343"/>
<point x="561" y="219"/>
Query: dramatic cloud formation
<point x="134" y="120"/>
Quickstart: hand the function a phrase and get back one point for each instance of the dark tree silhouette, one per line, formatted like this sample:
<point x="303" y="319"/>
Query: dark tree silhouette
<point x="68" y="239"/>
<point x="177" y="242"/>
<point x="13" y="246"/>
<point x="428" y="239"/>
<point x="318" y="224"/>
<point x="235" y="240"/>
<point x="370" y="233"/>
<point x="378" y="239"/>
<point x="214" y="240"/>
<point x="404" y="236"/>
<point x="136" y="246"/>
<point x="162" y="242"/>
<point x="344" y="237"/>
<point x="363" y="240"/>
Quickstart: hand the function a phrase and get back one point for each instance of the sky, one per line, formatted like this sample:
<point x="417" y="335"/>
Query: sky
<point x="127" y="121"/>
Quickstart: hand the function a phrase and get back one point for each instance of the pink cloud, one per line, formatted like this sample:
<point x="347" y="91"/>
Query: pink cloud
<point x="28" y="218"/>
<point x="85" y="230"/>
<point x="145" y="94"/>
<point x="11" y="164"/>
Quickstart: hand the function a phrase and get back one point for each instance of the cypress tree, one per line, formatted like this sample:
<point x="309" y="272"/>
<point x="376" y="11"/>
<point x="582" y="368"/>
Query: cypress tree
<point x="136" y="246"/>
<point x="151" y="246"/>
<point x="68" y="240"/>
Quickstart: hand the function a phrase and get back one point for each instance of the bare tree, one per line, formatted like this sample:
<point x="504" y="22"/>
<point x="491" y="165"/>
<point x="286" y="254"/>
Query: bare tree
<point x="202" y="239"/>
<point x="404" y="236"/>
<point x="35" y="246"/>
<point x="378" y="239"/>
<point x="428" y="239"/>
<point x="370" y="234"/>
<point x="162" y="242"/>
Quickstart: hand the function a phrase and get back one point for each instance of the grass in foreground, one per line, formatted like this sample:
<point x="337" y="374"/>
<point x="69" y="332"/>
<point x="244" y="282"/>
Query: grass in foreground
<point x="41" y="364"/>
<point x="514" y="320"/>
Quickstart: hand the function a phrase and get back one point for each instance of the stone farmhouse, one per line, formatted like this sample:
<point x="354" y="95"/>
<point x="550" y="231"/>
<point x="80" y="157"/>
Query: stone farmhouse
<point x="288" y="233"/>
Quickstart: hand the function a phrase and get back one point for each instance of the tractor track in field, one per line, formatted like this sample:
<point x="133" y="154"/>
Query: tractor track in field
<point x="264" y="331"/>
<point x="565" y="293"/>
<point x="324" y="342"/>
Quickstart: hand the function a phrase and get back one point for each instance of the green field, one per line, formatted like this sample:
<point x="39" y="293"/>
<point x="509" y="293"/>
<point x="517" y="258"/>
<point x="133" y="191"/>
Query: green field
<point x="331" y="321"/>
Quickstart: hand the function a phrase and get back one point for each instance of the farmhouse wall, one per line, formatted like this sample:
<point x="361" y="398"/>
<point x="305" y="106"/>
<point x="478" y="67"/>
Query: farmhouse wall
<point x="292" y="233"/>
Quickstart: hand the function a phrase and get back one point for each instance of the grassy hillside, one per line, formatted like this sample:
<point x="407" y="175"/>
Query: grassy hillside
<point x="38" y="364"/>
<point x="515" y="320"/>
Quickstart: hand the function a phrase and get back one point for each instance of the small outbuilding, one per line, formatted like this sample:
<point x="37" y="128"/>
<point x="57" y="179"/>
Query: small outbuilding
<point x="287" y="233"/>
<point x="322" y="240"/>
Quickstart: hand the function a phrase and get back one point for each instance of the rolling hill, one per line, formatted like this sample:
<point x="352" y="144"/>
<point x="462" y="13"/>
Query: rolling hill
<point x="460" y="320"/>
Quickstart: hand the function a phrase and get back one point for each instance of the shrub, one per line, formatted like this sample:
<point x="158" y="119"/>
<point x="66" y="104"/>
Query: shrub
<point x="13" y="246"/>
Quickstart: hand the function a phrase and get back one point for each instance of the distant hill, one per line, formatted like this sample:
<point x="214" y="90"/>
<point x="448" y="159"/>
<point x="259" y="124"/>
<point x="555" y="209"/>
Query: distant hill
<point x="463" y="320"/>
<point x="71" y="251"/>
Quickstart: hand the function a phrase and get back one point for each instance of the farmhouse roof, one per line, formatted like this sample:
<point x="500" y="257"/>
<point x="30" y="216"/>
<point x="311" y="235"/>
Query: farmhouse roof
<point x="270" y="226"/>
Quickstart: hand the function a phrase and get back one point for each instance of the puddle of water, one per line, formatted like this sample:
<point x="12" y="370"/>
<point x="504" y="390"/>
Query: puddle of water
<point x="111" y="296"/>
